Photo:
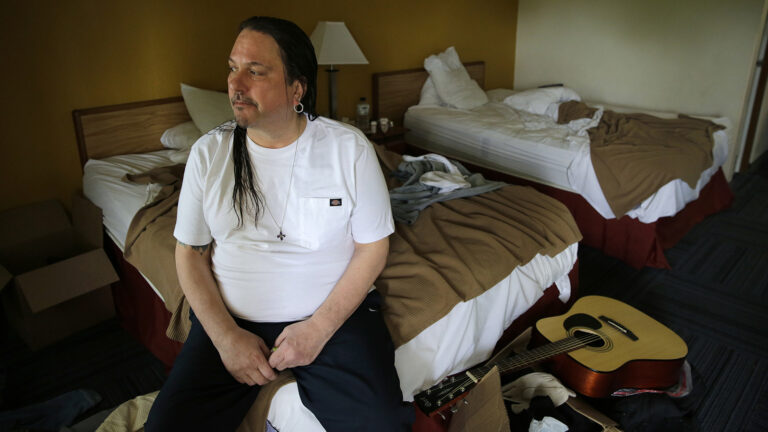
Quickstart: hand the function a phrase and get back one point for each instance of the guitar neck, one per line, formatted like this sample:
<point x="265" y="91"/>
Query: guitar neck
<point x="533" y="356"/>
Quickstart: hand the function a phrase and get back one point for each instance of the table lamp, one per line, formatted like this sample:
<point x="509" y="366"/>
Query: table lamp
<point x="334" y="45"/>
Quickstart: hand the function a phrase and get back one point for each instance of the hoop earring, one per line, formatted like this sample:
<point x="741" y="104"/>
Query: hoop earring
<point x="298" y="108"/>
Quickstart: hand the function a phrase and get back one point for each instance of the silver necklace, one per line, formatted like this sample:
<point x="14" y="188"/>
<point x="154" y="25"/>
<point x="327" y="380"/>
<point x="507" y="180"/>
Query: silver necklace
<point x="281" y="235"/>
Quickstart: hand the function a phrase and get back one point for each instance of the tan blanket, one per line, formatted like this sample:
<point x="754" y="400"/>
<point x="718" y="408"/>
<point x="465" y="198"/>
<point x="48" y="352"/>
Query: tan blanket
<point x="458" y="249"/>
<point x="455" y="251"/>
<point x="634" y="155"/>
<point x="150" y="245"/>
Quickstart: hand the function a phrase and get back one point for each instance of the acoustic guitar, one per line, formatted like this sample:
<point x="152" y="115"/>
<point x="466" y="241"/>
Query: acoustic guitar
<point x="599" y="346"/>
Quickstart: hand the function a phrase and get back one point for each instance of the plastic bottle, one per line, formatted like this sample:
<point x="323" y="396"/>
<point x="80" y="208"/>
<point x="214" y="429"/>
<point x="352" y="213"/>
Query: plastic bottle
<point x="363" y="114"/>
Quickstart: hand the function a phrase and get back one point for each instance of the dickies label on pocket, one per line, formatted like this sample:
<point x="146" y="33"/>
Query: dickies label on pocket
<point x="335" y="202"/>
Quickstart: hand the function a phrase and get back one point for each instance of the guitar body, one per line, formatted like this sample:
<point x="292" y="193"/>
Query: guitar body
<point x="634" y="350"/>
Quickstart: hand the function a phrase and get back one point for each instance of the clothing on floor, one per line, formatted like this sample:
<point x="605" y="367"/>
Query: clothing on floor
<point x="52" y="414"/>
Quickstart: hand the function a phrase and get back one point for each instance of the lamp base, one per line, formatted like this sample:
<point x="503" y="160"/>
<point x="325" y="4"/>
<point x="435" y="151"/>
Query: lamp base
<point x="332" y="92"/>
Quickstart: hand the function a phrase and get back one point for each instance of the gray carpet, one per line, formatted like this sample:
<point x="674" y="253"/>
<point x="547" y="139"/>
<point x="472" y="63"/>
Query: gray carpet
<point x="103" y="358"/>
<point x="715" y="297"/>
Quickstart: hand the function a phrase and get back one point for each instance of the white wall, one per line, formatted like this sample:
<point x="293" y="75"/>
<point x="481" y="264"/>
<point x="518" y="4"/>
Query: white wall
<point x="691" y="56"/>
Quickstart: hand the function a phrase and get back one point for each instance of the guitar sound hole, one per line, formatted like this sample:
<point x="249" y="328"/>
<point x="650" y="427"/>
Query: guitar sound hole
<point x="599" y="343"/>
<point x="581" y="320"/>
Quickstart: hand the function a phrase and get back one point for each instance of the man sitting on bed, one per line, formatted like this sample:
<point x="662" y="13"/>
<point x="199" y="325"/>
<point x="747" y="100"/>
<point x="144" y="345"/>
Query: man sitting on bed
<point x="283" y="225"/>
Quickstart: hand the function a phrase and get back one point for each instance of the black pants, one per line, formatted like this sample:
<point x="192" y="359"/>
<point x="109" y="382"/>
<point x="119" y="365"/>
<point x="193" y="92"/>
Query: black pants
<point x="351" y="386"/>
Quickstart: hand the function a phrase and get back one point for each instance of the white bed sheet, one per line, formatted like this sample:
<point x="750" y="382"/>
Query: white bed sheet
<point x="463" y="338"/>
<point x="118" y="199"/>
<point x="534" y="147"/>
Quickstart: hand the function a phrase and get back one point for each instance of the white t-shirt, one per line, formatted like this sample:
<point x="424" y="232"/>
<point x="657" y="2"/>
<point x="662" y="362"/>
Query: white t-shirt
<point x="337" y="197"/>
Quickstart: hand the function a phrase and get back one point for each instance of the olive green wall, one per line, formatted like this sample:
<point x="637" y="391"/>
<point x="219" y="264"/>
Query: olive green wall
<point x="64" y="55"/>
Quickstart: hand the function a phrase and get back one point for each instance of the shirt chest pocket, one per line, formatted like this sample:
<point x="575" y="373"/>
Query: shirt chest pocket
<point x="324" y="220"/>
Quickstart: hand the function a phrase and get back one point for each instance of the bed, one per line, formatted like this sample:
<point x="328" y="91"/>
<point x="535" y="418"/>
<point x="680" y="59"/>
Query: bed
<point x="455" y="319"/>
<point x="523" y="148"/>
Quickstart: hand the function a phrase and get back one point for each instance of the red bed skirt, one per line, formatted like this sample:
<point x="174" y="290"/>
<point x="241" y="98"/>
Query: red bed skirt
<point x="143" y="314"/>
<point x="642" y="244"/>
<point x="141" y="311"/>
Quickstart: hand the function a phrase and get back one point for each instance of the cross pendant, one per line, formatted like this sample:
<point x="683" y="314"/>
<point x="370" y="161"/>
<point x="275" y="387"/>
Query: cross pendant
<point x="281" y="236"/>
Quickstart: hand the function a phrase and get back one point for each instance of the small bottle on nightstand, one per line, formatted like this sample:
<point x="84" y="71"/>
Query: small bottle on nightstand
<point x="363" y="114"/>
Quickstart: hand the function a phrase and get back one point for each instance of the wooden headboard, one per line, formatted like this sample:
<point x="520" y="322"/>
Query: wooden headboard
<point x="136" y="127"/>
<point x="126" y="128"/>
<point x="394" y="92"/>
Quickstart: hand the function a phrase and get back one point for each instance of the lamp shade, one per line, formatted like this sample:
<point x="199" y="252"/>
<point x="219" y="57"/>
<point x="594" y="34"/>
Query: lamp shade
<point x="334" y="44"/>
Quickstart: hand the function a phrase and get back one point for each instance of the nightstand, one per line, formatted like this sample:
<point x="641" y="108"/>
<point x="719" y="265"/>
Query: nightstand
<point x="393" y="140"/>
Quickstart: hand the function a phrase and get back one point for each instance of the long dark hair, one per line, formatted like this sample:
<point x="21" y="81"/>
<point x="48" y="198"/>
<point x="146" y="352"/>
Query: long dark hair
<point x="298" y="56"/>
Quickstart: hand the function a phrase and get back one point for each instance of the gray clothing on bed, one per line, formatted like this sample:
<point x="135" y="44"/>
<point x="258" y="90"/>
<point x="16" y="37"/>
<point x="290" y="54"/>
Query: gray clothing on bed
<point x="413" y="196"/>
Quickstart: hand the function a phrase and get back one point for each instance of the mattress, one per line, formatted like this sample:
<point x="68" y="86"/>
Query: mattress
<point x="463" y="338"/>
<point x="536" y="148"/>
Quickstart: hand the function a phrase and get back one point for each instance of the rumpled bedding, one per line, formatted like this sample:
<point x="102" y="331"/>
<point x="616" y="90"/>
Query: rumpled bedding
<point x="634" y="155"/>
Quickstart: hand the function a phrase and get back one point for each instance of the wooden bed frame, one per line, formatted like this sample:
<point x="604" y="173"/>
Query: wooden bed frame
<point x="136" y="128"/>
<point x="636" y="243"/>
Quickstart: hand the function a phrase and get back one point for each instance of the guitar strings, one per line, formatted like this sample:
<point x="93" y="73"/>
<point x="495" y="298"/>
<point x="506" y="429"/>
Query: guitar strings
<point x="534" y="355"/>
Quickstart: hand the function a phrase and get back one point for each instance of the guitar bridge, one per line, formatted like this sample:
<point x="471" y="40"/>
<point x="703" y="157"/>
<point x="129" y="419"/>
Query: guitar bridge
<point x="618" y="326"/>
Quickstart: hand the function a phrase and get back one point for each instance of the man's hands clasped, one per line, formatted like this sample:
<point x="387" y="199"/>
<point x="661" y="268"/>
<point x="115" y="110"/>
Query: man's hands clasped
<point x="248" y="359"/>
<point x="245" y="357"/>
<point x="299" y="344"/>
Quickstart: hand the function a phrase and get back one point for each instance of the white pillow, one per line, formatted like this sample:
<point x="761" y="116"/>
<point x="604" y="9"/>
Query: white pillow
<point x="452" y="82"/>
<point x="181" y="136"/>
<point x="429" y="94"/>
<point x="499" y="94"/>
<point x="538" y="100"/>
<point x="207" y="108"/>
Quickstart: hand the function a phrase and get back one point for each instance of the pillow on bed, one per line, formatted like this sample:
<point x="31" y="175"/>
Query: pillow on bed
<point x="538" y="100"/>
<point x="181" y="137"/>
<point x="452" y="82"/>
<point x="207" y="108"/>
<point x="499" y="94"/>
<point x="429" y="94"/>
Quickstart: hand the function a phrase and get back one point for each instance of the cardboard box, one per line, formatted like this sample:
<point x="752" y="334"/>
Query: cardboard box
<point x="54" y="274"/>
